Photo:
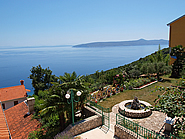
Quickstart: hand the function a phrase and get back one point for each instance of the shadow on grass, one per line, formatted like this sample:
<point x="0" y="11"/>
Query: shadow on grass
<point x="167" y="80"/>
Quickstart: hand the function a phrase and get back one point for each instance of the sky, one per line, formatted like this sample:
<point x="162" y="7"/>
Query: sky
<point x="72" y="22"/>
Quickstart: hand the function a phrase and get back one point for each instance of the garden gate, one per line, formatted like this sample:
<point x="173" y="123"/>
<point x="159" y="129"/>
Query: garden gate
<point x="104" y="112"/>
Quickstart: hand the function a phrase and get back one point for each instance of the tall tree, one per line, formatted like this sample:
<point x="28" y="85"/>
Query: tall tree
<point x="41" y="78"/>
<point x="109" y="76"/>
<point x="97" y="74"/>
<point x="76" y="83"/>
<point x="54" y="104"/>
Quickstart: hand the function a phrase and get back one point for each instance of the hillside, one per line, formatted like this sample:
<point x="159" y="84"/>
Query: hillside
<point x="127" y="67"/>
<point x="123" y="43"/>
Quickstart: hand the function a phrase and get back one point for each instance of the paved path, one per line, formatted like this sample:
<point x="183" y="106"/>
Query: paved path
<point x="113" y="116"/>
<point x="98" y="133"/>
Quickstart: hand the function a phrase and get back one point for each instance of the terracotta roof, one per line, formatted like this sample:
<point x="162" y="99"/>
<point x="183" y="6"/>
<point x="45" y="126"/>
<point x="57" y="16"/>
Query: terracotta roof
<point x="13" y="92"/>
<point x="4" y="134"/>
<point x="20" y="124"/>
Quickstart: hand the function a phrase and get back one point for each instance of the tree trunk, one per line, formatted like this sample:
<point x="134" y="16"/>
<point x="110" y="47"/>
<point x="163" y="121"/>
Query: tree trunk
<point x="158" y="76"/>
<point x="62" y="121"/>
<point x="82" y="110"/>
<point x="69" y="116"/>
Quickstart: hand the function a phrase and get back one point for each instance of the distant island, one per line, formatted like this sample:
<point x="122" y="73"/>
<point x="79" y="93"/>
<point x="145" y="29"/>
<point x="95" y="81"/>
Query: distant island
<point x="124" y="43"/>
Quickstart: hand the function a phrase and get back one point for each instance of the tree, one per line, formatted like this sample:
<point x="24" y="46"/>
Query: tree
<point x="159" y="56"/>
<point x="52" y="107"/>
<point x="41" y="78"/>
<point x="109" y="76"/>
<point x="134" y="73"/>
<point x="76" y="83"/>
<point x="157" y="64"/>
<point x="88" y="79"/>
<point x="179" y="64"/>
<point x="48" y="113"/>
<point x="147" y="68"/>
<point x="97" y="73"/>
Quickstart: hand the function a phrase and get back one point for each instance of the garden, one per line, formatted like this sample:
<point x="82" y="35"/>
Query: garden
<point x="110" y="90"/>
<point x="107" y="90"/>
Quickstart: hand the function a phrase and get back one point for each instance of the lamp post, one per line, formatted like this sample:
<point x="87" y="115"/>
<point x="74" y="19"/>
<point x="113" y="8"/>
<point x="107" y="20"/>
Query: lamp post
<point x="68" y="95"/>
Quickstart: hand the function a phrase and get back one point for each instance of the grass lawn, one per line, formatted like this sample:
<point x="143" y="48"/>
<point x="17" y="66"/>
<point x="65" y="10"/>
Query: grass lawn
<point x="144" y="94"/>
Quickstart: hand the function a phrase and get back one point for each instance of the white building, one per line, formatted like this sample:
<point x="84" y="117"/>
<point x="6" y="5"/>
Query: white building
<point x="11" y="96"/>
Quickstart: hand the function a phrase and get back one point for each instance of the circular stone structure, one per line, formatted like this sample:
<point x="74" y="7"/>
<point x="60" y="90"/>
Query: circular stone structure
<point x="134" y="113"/>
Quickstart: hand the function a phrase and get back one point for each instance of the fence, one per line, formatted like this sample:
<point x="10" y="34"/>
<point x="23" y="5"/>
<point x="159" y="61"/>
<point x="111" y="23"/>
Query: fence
<point x="105" y="112"/>
<point x="139" y="130"/>
<point x="96" y="107"/>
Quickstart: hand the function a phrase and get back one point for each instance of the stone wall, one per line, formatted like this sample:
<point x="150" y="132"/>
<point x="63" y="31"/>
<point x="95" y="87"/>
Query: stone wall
<point x="134" y="113"/>
<point x="123" y="133"/>
<point x="137" y="114"/>
<point x="84" y="125"/>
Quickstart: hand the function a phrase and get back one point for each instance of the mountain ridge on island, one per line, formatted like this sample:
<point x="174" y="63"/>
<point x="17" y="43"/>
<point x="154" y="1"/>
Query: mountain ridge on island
<point x="124" y="43"/>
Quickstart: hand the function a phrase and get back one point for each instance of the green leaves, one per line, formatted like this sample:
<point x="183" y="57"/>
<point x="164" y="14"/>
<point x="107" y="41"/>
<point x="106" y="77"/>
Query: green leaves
<point x="157" y="64"/>
<point x="41" y="78"/>
<point x="51" y="103"/>
<point x="172" y="103"/>
<point x="178" y="65"/>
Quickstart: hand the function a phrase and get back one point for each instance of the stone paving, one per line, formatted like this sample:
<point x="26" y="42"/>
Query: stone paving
<point x="154" y="122"/>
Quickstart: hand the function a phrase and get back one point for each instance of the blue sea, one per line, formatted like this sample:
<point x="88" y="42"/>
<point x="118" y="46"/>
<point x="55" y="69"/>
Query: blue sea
<point x="16" y="62"/>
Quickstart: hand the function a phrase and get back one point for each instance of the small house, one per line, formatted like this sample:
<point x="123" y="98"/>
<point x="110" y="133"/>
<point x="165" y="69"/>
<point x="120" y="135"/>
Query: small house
<point x="11" y="96"/>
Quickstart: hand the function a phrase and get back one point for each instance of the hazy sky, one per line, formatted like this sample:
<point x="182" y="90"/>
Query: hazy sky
<point x="71" y="22"/>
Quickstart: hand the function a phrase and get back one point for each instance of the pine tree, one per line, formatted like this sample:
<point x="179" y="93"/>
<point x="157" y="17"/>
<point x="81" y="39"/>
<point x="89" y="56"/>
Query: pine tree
<point x="41" y="78"/>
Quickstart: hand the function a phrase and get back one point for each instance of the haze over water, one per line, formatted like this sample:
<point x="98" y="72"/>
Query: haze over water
<point x="16" y="62"/>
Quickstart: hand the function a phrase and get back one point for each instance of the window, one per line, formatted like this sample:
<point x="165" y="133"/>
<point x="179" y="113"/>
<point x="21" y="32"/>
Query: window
<point x="3" y="106"/>
<point x="15" y="103"/>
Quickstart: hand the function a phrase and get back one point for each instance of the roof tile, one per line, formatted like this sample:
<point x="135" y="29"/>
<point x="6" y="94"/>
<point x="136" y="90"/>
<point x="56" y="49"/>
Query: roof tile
<point x="13" y="92"/>
<point x="4" y="134"/>
<point x="20" y="125"/>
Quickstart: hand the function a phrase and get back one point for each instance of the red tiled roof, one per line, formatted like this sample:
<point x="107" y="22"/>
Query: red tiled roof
<point x="4" y="134"/>
<point x="20" y="124"/>
<point x="13" y="92"/>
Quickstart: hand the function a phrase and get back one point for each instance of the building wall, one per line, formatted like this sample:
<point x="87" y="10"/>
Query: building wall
<point x="9" y="104"/>
<point x="177" y="34"/>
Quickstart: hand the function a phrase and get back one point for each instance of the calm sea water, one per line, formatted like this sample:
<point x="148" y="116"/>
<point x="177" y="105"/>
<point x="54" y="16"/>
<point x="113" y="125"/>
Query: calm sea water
<point x="16" y="62"/>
